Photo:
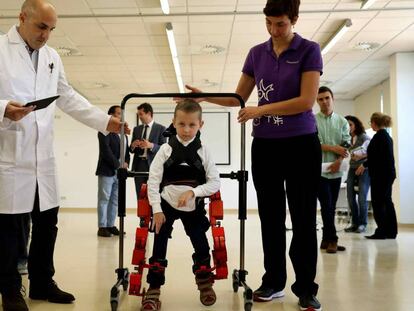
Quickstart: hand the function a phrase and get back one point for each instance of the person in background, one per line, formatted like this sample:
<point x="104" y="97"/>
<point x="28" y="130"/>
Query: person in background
<point x="31" y="70"/>
<point x="358" y="150"/>
<point x="381" y="168"/>
<point x="333" y="132"/>
<point x="108" y="163"/>
<point x="145" y="143"/>
<point x="181" y="175"/>
<point x="285" y="149"/>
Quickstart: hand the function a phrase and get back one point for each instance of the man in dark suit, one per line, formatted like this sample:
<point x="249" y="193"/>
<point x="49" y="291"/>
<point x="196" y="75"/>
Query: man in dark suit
<point x="146" y="141"/>
<point x="108" y="163"/>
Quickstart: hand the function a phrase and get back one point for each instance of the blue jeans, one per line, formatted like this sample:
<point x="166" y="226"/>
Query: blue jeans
<point x="359" y="210"/>
<point x="107" y="200"/>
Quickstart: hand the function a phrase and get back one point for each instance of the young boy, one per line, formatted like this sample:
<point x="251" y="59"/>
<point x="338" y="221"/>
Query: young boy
<point x="181" y="175"/>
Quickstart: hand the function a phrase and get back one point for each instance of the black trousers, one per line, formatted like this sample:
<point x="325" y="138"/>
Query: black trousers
<point x="40" y="261"/>
<point x="328" y="196"/>
<point x="383" y="207"/>
<point x="140" y="165"/>
<point x="195" y="225"/>
<point x="293" y="167"/>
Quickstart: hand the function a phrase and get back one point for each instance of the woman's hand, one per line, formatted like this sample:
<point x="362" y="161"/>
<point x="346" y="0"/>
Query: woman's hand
<point x="193" y="90"/>
<point x="248" y="113"/>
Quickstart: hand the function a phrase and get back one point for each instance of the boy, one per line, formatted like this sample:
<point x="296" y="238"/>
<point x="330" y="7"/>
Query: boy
<point x="181" y="174"/>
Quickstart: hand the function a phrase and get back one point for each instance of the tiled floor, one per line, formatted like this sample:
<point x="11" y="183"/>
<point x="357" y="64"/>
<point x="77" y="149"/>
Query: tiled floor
<point x="369" y="276"/>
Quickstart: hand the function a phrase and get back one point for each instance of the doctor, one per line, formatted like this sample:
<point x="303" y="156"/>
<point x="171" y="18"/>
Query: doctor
<point x="31" y="70"/>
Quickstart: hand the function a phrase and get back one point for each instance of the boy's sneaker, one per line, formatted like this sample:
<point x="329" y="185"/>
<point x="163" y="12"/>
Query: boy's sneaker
<point x="151" y="300"/>
<point x="264" y="293"/>
<point x="309" y="303"/>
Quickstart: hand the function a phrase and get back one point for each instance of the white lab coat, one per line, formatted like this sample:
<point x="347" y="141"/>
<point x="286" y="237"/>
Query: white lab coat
<point x="26" y="146"/>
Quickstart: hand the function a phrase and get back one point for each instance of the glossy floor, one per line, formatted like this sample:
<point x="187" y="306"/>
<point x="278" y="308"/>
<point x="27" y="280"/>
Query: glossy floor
<point x="368" y="276"/>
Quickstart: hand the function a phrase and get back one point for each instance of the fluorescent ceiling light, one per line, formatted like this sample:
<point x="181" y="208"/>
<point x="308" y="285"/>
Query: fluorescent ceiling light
<point x="174" y="55"/>
<point x="165" y="7"/>
<point x="366" y="4"/>
<point x="337" y="36"/>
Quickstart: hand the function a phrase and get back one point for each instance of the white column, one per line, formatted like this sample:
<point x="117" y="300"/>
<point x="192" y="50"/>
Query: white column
<point x="402" y="113"/>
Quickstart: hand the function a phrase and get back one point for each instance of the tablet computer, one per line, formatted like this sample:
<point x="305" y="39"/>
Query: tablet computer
<point x="42" y="103"/>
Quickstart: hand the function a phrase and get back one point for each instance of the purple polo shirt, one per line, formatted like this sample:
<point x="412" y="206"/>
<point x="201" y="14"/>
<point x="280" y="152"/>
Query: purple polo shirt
<point x="278" y="79"/>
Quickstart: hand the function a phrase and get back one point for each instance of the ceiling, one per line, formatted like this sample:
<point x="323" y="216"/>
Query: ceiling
<point x="123" y="46"/>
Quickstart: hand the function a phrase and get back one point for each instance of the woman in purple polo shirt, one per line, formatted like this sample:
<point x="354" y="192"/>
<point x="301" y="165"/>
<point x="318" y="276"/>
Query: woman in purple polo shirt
<point x="285" y="149"/>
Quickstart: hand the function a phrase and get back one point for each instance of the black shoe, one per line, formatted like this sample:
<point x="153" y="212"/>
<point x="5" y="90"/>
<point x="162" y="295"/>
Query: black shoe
<point x="309" y="303"/>
<point x="352" y="228"/>
<point x="104" y="232"/>
<point x="14" y="302"/>
<point x="50" y="292"/>
<point x="376" y="237"/>
<point x="114" y="230"/>
<point x="264" y="293"/>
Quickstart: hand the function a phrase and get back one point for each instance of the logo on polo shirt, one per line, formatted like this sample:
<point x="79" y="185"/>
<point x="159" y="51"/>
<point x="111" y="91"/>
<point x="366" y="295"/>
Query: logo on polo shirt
<point x="263" y="91"/>
<point x="292" y="62"/>
<point x="269" y="119"/>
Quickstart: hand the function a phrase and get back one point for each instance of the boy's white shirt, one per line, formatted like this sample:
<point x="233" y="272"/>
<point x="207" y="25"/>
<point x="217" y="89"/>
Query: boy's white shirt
<point x="171" y="193"/>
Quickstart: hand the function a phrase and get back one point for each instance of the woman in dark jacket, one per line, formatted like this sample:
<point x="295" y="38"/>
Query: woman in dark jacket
<point x="380" y="162"/>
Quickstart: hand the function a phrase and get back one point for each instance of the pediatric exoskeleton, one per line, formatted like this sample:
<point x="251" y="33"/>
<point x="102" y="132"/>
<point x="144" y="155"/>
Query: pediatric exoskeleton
<point x="219" y="252"/>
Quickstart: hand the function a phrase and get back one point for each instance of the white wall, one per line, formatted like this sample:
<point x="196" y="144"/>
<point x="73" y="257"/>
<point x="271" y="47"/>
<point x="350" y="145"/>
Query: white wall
<point x="402" y="111"/>
<point x="370" y="101"/>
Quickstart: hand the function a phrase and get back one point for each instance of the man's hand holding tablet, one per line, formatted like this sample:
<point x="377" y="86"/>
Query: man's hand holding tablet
<point x="42" y="103"/>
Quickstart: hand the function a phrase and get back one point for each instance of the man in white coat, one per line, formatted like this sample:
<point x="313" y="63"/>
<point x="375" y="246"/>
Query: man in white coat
<point x="30" y="70"/>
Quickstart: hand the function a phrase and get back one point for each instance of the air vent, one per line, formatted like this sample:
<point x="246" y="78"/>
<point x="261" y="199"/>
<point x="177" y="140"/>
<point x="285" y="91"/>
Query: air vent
<point x="366" y="46"/>
<point x="65" y="51"/>
<point x="211" y="49"/>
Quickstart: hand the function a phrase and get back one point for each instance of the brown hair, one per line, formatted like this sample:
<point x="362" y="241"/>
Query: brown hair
<point x="359" y="127"/>
<point x="188" y="105"/>
<point x="381" y="119"/>
<point x="282" y="7"/>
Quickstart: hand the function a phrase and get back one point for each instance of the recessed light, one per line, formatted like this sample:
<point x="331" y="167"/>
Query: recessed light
<point x="366" y="46"/>
<point x="65" y="51"/>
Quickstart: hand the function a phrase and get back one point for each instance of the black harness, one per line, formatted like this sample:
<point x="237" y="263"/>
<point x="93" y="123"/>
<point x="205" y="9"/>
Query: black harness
<point x="191" y="173"/>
